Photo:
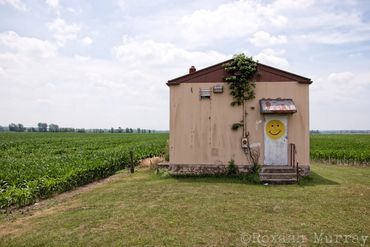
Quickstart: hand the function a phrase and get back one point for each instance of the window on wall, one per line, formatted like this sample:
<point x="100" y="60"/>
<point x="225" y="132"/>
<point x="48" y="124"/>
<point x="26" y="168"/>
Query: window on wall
<point x="205" y="93"/>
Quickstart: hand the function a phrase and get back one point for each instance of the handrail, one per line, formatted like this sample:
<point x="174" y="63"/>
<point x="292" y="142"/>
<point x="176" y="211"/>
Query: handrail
<point x="292" y="154"/>
<point x="293" y="162"/>
<point x="297" y="173"/>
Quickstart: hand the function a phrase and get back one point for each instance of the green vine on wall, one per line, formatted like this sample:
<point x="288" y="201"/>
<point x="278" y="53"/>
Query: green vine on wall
<point x="241" y="69"/>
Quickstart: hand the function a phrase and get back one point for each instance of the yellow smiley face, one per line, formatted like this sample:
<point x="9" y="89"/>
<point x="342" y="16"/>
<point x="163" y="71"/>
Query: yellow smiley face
<point x="275" y="129"/>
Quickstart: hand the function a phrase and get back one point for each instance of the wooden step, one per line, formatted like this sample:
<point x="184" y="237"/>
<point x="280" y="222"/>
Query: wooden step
<point x="278" y="174"/>
<point x="267" y="175"/>
<point x="277" y="169"/>
<point x="280" y="180"/>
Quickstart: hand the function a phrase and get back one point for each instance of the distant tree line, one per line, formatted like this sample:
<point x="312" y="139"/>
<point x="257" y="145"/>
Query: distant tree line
<point x="130" y="130"/>
<point x="339" y="131"/>
<point x="44" y="127"/>
<point x="16" y="127"/>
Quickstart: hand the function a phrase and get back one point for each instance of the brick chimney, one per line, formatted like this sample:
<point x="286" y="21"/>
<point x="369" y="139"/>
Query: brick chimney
<point x="192" y="70"/>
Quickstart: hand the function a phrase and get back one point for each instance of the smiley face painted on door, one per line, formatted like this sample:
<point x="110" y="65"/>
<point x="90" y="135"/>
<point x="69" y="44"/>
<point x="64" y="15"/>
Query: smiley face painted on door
<point x="275" y="129"/>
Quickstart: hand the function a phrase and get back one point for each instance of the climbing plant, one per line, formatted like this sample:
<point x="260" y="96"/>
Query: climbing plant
<point x="241" y="69"/>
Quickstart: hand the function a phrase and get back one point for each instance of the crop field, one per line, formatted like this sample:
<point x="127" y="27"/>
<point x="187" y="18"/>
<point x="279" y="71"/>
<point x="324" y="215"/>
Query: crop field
<point x="37" y="165"/>
<point x="341" y="148"/>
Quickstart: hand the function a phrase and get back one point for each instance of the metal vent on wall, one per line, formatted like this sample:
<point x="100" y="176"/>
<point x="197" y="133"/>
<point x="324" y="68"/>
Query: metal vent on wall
<point x="218" y="88"/>
<point x="205" y="93"/>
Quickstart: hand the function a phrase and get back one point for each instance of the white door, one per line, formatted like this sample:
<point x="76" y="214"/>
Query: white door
<point x="276" y="140"/>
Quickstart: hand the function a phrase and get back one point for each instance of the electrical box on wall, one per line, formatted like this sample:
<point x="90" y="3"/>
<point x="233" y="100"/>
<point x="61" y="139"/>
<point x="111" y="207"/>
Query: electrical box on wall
<point x="205" y="93"/>
<point x="244" y="143"/>
<point x="218" y="88"/>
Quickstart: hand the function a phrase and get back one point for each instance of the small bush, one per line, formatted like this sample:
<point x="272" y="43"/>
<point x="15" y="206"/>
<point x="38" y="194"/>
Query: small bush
<point x="232" y="169"/>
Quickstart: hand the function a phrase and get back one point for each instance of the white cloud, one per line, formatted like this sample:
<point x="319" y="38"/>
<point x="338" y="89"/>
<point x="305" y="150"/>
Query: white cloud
<point x="230" y="20"/>
<point x="327" y="20"/>
<point x="344" y="84"/>
<point x="63" y="32"/>
<point x="335" y="37"/>
<point x="273" y="58"/>
<point x="122" y="4"/>
<point x="18" y="4"/>
<point x="74" y="11"/>
<point x="27" y="45"/>
<point x="73" y="91"/>
<point x="301" y="21"/>
<point x="262" y="38"/>
<point x="292" y="4"/>
<point x="87" y="41"/>
<point x="82" y="58"/>
<point x="325" y="27"/>
<point x="340" y="99"/>
<point x="2" y="71"/>
<point x="148" y="52"/>
<point x="341" y="77"/>
<point x="53" y="3"/>
<point x="340" y="86"/>
<point x="310" y="22"/>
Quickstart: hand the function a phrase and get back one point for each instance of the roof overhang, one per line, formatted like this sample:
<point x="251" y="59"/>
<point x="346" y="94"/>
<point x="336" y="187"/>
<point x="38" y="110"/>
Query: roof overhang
<point x="217" y="73"/>
<point x="277" y="106"/>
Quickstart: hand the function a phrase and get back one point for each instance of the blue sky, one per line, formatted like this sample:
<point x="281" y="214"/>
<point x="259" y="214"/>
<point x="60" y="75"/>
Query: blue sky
<point x="97" y="64"/>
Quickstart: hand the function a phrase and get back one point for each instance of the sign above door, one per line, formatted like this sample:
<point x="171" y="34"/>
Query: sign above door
<point x="277" y="106"/>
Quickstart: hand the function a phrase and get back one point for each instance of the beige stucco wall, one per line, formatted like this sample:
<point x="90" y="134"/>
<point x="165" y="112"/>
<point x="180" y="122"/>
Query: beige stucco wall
<point x="200" y="130"/>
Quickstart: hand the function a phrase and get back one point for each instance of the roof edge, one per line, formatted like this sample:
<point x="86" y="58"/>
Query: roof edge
<point x="196" y="73"/>
<point x="209" y="69"/>
<point x="304" y="79"/>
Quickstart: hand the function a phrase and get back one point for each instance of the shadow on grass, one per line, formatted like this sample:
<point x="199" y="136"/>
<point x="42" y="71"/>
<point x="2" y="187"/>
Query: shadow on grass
<point x="315" y="179"/>
<point x="312" y="180"/>
<point x="234" y="179"/>
<point x="251" y="179"/>
<point x="211" y="179"/>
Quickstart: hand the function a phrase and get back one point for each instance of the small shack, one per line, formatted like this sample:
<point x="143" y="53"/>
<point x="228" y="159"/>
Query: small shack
<point x="202" y="134"/>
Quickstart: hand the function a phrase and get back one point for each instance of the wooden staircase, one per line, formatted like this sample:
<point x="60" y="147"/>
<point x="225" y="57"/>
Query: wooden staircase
<point x="278" y="174"/>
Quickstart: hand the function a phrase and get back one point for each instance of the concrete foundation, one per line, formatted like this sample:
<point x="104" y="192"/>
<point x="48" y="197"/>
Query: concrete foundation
<point x="201" y="169"/>
<point x="214" y="169"/>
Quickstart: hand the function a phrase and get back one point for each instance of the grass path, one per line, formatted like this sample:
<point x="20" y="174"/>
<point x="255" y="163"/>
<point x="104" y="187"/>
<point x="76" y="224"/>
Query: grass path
<point x="145" y="210"/>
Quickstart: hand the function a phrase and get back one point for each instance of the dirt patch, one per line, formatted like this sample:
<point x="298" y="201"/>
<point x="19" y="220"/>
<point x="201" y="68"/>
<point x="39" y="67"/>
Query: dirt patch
<point x="151" y="163"/>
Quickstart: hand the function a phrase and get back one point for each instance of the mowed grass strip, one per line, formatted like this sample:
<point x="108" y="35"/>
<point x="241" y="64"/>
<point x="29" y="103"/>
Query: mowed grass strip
<point x="145" y="210"/>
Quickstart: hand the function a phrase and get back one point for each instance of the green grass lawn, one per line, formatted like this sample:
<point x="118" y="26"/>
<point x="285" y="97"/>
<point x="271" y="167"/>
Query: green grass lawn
<point x="144" y="209"/>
